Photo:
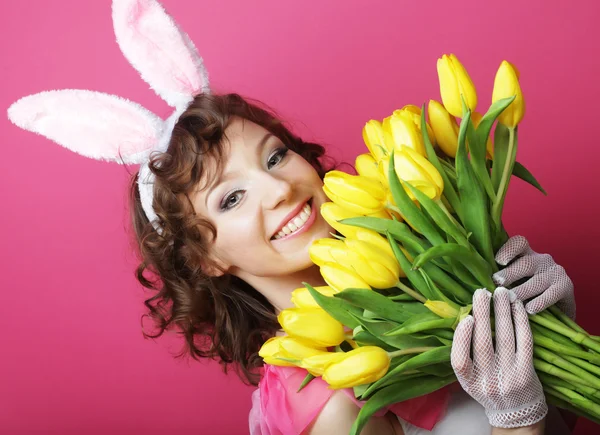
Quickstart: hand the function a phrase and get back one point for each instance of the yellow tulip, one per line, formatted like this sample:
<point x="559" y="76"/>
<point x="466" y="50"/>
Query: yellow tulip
<point x="339" y="277"/>
<point x="441" y="308"/>
<point x="270" y="351"/>
<point x="366" y="166"/>
<point x="476" y="118"/>
<point x="317" y="364"/>
<point x="378" y="268"/>
<point x="360" y="366"/>
<point x="360" y="194"/>
<point x="294" y="348"/>
<point x="375" y="139"/>
<point x="414" y="113"/>
<point x="506" y="84"/>
<point x="320" y="251"/>
<point x="454" y="82"/>
<point x="413" y="168"/>
<point x="444" y="126"/>
<point x="333" y="213"/>
<point x="301" y="297"/>
<point x="313" y="325"/>
<point x="404" y="132"/>
<point x="286" y="347"/>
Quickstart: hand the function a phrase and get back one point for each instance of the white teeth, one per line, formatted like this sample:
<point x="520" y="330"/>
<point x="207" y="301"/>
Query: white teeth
<point x="295" y="223"/>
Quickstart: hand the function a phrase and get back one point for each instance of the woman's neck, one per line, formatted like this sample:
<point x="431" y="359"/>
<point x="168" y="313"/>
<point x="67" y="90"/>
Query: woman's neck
<point x="278" y="290"/>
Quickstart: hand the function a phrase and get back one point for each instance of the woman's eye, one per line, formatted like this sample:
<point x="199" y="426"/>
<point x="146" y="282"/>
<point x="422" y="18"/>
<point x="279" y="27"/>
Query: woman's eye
<point x="231" y="200"/>
<point x="276" y="157"/>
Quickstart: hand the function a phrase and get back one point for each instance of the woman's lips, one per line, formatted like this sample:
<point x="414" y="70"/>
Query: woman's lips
<point x="306" y="223"/>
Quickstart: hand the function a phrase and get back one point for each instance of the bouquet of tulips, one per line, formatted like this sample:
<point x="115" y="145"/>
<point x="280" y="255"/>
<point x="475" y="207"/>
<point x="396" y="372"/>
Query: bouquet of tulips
<point x="418" y="230"/>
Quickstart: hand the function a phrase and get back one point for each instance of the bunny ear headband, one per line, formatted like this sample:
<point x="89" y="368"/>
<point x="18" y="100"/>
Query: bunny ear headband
<point x="107" y="127"/>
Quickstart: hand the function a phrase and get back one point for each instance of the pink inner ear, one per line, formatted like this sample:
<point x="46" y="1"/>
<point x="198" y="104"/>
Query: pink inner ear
<point x="164" y="56"/>
<point x="93" y="124"/>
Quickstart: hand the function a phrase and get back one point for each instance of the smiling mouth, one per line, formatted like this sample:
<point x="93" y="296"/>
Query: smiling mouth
<point x="296" y="223"/>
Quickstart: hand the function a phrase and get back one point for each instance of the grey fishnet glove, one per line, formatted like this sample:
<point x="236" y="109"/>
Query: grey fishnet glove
<point x="503" y="381"/>
<point x="549" y="283"/>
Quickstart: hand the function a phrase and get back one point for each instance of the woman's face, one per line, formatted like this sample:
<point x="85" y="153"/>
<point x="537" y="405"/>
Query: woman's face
<point x="264" y="205"/>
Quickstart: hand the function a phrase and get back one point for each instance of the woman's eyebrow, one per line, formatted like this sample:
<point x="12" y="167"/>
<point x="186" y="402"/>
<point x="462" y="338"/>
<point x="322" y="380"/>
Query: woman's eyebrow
<point x="225" y="176"/>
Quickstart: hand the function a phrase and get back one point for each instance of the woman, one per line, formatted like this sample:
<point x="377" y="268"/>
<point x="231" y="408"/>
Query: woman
<point x="238" y="198"/>
<point x="224" y="214"/>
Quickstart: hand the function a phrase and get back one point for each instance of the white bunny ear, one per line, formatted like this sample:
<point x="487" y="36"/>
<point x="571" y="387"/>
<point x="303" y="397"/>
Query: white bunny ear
<point x="164" y="56"/>
<point x="93" y="124"/>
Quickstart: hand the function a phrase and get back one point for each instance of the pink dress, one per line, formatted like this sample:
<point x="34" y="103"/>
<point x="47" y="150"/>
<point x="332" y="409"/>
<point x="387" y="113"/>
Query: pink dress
<point x="277" y="409"/>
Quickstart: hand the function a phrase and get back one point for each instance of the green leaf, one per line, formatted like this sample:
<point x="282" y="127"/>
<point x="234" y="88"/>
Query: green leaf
<point x="431" y="357"/>
<point x="480" y="269"/>
<point x="305" y="382"/>
<point x="449" y="189"/>
<point x="414" y="277"/>
<point x="373" y="301"/>
<point x="419" y="323"/>
<point x="339" y="309"/>
<point x="409" y="209"/>
<point x="447" y="284"/>
<point x="403" y="390"/>
<point x="365" y="338"/>
<point x="523" y="173"/>
<point x="500" y="153"/>
<point x="476" y="215"/>
<point x="378" y="329"/>
<point x="440" y="217"/>
<point x="441" y="370"/>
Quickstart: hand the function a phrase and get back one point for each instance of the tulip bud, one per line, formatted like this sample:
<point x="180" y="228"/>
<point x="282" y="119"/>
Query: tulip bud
<point x="320" y="250"/>
<point x="302" y="298"/>
<point x="378" y="268"/>
<point x="404" y="132"/>
<point x="442" y="309"/>
<point x="359" y="194"/>
<point x="366" y="166"/>
<point x="288" y="348"/>
<point x="445" y="128"/>
<point x="375" y="139"/>
<point x="454" y="82"/>
<point x="313" y="325"/>
<point x="269" y="352"/>
<point x="340" y="278"/>
<point x="413" y="168"/>
<point x="360" y="366"/>
<point x="414" y="113"/>
<point x="317" y="364"/>
<point x="333" y="213"/>
<point x="506" y="84"/>
<point x="476" y="118"/>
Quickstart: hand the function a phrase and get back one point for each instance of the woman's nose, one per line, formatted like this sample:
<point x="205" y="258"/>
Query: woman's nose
<point x="276" y="191"/>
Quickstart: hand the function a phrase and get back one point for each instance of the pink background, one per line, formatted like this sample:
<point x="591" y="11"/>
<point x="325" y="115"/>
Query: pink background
<point x="73" y="358"/>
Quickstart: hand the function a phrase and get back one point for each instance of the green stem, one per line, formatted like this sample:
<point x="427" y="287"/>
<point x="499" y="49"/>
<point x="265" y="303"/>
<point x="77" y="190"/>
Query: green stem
<point x="585" y="377"/>
<point x="550" y="344"/>
<point x="554" y="381"/>
<point x="576" y="336"/>
<point x="565" y="319"/>
<point x="584" y="364"/>
<point x="411" y="292"/>
<point x="503" y="186"/>
<point x="410" y="351"/>
<point x="548" y="368"/>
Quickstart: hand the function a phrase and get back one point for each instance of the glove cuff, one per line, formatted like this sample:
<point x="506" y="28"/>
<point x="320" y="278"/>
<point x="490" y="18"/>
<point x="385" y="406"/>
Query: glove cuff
<point x="522" y="416"/>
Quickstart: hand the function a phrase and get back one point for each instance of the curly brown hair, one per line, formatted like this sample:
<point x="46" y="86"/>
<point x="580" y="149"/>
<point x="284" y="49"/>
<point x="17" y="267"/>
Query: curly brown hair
<point x="223" y="317"/>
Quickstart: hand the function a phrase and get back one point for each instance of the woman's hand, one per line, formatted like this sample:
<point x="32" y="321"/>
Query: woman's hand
<point x="502" y="380"/>
<point x="548" y="285"/>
